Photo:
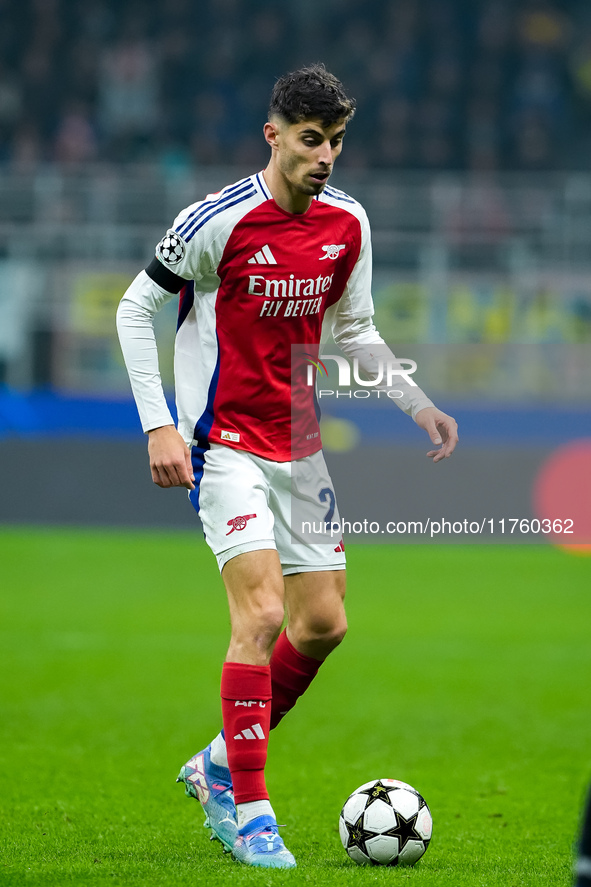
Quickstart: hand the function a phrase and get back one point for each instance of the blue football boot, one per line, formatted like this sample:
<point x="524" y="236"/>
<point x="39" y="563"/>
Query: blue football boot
<point x="259" y="844"/>
<point x="211" y="785"/>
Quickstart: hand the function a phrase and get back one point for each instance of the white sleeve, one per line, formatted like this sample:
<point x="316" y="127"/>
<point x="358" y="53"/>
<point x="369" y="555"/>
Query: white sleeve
<point x="135" y="325"/>
<point x="356" y="300"/>
<point x="359" y="338"/>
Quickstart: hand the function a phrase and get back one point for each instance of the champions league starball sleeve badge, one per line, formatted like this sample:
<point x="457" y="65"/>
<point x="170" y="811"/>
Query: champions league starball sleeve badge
<point x="171" y="249"/>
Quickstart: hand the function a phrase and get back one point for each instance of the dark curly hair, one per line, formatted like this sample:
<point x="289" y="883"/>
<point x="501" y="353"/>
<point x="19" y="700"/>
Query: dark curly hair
<point x="311" y="92"/>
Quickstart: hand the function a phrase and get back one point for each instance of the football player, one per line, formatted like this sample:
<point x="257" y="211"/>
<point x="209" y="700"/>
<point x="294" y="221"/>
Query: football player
<point x="260" y="268"/>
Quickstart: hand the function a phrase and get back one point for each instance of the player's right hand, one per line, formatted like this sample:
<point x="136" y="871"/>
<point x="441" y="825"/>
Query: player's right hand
<point x="170" y="458"/>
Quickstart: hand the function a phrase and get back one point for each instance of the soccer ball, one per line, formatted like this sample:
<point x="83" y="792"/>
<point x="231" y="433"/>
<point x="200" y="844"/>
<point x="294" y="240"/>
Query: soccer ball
<point x="385" y="822"/>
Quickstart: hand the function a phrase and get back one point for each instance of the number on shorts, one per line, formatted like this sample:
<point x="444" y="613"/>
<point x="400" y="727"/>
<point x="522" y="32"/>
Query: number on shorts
<point x="327" y="495"/>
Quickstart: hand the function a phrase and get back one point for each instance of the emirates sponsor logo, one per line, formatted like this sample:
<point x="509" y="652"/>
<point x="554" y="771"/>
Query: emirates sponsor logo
<point x="291" y="287"/>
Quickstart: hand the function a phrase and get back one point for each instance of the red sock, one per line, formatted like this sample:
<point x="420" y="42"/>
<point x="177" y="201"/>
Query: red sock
<point x="246" y="711"/>
<point x="291" y="675"/>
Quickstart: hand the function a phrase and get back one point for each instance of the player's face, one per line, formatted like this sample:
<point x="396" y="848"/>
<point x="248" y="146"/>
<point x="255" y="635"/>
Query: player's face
<point x="304" y="154"/>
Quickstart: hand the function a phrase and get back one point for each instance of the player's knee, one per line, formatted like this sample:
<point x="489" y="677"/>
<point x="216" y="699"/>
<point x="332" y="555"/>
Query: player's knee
<point x="271" y="620"/>
<point x="262" y="626"/>
<point x="336" y="634"/>
<point x="326" y="632"/>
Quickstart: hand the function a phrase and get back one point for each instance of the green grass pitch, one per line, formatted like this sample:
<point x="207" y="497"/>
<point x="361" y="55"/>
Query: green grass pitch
<point x="465" y="672"/>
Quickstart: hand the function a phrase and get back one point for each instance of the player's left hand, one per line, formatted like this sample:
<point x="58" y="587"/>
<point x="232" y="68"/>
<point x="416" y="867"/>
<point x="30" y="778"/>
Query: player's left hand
<point x="441" y="428"/>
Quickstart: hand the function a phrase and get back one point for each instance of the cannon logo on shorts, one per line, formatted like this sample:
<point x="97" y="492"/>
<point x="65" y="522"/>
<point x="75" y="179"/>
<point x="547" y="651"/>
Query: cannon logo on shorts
<point x="239" y="523"/>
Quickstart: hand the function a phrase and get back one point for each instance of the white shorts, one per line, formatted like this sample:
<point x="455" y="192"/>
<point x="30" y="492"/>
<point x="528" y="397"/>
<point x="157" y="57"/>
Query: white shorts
<point x="247" y="503"/>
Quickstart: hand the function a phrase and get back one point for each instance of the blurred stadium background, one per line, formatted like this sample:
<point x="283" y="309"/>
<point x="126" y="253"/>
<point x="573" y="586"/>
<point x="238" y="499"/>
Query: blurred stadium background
<point x="470" y="151"/>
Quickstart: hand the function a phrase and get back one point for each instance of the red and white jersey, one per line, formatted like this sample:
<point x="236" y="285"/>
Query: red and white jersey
<point x="254" y="281"/>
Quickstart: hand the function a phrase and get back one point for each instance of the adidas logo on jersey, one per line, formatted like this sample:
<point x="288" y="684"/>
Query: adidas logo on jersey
<point x="263" y="257"/>
<point x="254" y="732"/>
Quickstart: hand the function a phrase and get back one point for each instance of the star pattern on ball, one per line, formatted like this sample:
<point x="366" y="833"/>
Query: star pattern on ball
<point x="404" y="830"/>
<point x="377" y="792"/>
<point x="358" y="835"/>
